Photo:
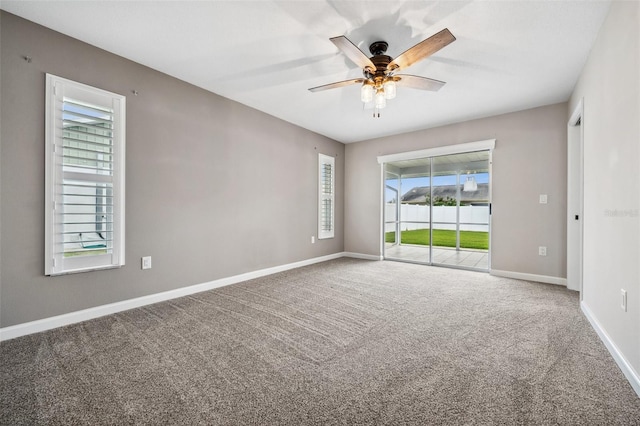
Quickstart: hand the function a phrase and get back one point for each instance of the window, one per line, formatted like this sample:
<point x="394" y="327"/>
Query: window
<point x="326" y="199"/>
<point x="84" y="193"/>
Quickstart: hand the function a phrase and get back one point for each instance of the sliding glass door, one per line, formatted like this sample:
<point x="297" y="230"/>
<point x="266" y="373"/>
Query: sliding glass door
<point x="407" y="222"/>
<point x="437" y="210"/>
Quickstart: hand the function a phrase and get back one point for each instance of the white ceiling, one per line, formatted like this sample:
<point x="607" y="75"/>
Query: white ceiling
<point x="508" y="56"/>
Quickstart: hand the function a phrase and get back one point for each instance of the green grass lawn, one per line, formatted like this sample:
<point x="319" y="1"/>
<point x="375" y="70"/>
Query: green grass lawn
<point x="89" y="253"/>
<point x="443" y="238"/>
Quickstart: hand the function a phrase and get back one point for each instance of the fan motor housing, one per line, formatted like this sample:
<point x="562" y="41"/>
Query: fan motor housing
<point x="381" y="62"/>
<point x="379" y="59"/>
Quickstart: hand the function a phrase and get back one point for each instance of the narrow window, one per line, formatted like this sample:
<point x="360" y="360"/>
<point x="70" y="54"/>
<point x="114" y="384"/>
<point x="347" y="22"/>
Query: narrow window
<point x="326" y="199"/>
<point x="84" y="195"/>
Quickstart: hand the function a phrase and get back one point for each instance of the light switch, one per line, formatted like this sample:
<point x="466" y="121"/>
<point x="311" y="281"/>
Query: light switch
<point x="146" y="262"/>
<point x="543" y="198"/>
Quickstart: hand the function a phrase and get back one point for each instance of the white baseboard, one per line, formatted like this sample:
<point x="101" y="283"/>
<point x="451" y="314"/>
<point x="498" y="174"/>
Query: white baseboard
<point x="362" y="256"/>
<point x="632" y="376"/>
<point x="530" y="277"/>
<point x="44" y="324"/>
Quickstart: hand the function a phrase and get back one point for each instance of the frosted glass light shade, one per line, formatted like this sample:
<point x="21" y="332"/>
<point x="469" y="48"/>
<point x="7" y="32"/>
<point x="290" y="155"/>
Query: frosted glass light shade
<point x="366" y="93"/>
<point x="389" y="89"/>
<point x="381" y="100"/>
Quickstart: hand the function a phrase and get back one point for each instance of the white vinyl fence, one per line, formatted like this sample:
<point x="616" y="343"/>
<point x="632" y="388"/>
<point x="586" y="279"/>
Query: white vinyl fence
<point x="472" y="218"/>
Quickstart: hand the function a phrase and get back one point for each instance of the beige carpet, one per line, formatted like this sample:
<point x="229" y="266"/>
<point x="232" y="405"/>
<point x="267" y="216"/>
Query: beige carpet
<point x="346" y="342"/>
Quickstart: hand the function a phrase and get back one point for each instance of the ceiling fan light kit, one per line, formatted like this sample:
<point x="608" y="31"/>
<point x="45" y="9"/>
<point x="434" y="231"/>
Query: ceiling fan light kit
<point x="379" y="71"/>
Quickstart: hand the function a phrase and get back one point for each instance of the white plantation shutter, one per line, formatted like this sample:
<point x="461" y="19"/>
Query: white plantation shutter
<point x="326" y="199"/>
<point x="85" y="178"/>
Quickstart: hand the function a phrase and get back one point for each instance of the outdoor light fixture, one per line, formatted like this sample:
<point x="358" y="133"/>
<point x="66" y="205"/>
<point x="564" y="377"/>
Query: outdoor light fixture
<point x="470" y="184"/>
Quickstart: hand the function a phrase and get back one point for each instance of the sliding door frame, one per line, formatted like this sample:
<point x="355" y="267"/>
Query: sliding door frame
<point x="484" y="145"/>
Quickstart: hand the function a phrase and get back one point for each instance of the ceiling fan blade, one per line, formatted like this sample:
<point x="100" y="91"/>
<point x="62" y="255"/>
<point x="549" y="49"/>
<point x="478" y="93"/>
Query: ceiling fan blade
<point x="336" y="85"/>
<point x="416" y="82"/>
<point x="351" y="50"/>
<point x="422" y="50"/>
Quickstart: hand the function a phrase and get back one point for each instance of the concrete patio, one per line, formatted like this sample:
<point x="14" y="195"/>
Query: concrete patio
<point x="464" y="258"/>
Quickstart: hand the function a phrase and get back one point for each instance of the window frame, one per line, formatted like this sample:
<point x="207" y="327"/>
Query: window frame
<point x="322" y="196"/>
<point x="57" y="89"/>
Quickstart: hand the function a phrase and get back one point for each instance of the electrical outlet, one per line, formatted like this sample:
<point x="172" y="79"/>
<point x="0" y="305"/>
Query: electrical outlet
<point x="543" y="198"/>
<point x="313" y="239"/>
<point x="623" y="299"/>
<point x="146" y="262"/>
<point x="542" y="251"/>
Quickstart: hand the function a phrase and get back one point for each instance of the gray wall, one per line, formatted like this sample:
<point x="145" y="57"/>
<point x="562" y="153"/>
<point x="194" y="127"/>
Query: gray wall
<point x="214" y="188"/>
<point x="610" y="86"/>
<point x="529" y="159"/>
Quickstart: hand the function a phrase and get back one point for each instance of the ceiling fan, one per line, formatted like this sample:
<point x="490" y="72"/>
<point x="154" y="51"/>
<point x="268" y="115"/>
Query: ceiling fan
<point x="380" y="78"/>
